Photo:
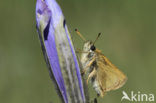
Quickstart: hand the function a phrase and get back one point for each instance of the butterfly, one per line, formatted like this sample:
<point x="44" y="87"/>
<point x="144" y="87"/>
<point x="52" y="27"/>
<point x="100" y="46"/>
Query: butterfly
<point x="103" y="75"/>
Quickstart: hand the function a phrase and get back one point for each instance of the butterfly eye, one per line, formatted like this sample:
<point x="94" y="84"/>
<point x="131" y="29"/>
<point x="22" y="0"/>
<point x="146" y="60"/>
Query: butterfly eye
<point x="92" y="48"/>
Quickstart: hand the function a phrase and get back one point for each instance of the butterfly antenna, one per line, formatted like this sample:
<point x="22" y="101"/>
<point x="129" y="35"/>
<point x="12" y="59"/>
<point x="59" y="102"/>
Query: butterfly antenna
<point x="78" y="33"/>
<point x="97" y="38"/>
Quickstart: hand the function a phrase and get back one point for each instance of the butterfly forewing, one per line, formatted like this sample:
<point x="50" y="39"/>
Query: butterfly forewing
<point x="108" y="76"/>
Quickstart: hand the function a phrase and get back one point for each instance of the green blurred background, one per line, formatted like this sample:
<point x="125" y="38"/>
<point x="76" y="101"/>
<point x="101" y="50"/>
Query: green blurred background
<point x="128" y="39"/>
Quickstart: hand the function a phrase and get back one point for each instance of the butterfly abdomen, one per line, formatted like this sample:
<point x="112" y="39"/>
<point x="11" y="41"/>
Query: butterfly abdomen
<point x="96" y="86"/>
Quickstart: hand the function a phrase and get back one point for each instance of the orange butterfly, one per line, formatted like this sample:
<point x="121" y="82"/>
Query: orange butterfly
<point x="103" y="75"/>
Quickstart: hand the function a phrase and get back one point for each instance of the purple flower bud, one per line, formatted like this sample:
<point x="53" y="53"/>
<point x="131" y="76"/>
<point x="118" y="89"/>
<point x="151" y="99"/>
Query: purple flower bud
<point x="59" y="51"/>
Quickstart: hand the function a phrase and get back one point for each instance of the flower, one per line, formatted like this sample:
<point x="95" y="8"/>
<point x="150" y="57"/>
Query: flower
<point x="58" y="51"/>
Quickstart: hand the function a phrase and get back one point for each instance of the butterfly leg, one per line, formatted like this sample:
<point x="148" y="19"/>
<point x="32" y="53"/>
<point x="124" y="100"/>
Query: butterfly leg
<point x="91" y="74"/>
<point x="80" y="51"/>
<point x="87" y="67"/>
<point x="94" y="101"/>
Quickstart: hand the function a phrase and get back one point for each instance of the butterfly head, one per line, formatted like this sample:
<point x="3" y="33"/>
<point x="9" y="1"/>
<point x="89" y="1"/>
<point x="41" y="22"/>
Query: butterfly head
<point x="89" y="46"/>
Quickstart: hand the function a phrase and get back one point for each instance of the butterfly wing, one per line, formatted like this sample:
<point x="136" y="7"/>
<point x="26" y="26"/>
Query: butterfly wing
<point x="109" y="76"/>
